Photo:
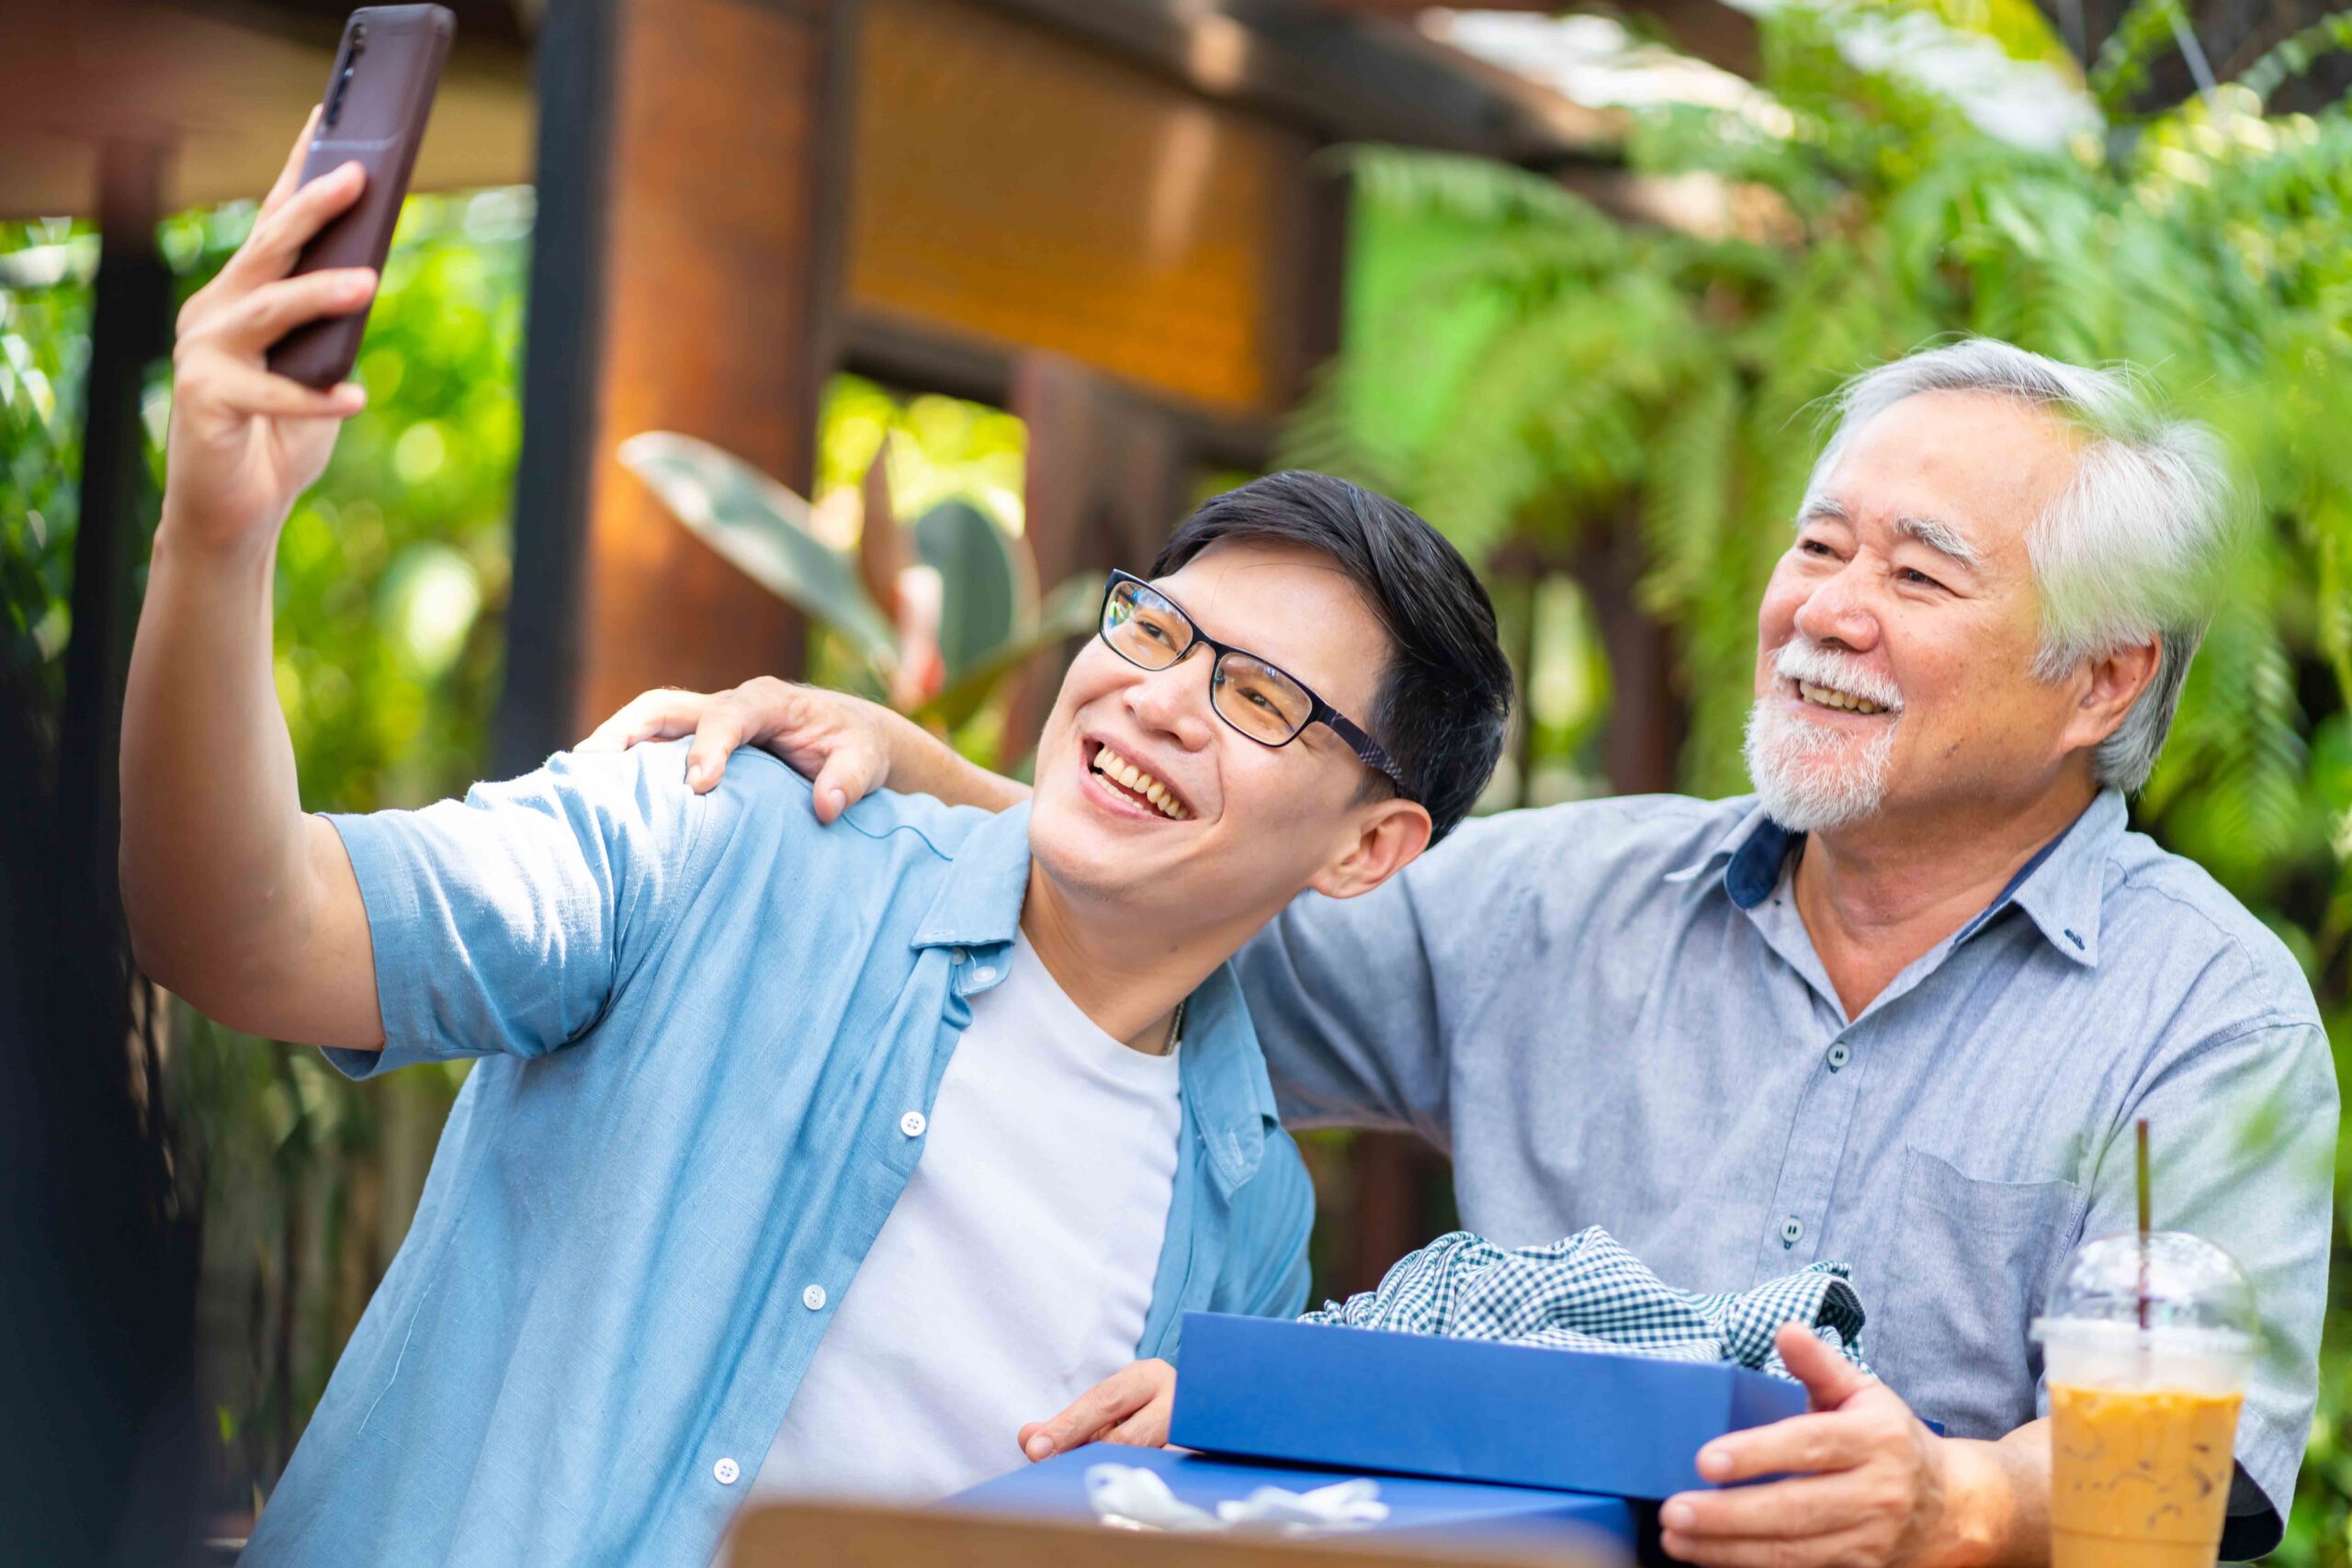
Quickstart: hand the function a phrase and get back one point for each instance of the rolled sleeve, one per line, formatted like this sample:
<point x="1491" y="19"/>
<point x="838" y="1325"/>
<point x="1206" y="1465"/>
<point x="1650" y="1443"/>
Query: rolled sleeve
<point x="503" y="922"/>
<point x="2243" y="1133"/>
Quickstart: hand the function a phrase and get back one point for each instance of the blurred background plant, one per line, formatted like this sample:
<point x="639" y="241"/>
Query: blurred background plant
<point x="1583" y="399"/>
<point x="931" y="617"/>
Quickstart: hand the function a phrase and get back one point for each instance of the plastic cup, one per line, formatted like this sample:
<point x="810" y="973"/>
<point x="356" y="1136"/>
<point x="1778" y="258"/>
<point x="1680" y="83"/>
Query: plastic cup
<point x="2144" y="1418"/>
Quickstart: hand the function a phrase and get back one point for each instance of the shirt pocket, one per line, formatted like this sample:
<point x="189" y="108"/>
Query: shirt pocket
<point x="1972" y="1261"/>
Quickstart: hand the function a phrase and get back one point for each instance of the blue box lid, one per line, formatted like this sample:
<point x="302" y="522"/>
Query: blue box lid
<point x="1464" y="1409"/>
<point x="1419" y="1508"/>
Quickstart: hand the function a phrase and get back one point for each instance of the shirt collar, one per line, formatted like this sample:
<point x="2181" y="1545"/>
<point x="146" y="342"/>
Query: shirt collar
<point x="2063" y="893"/>
<point x="978" y="903"/>
<point x="1750" y="855"/>
<point x="2061" y="888"/>
<point x="1224" y="1074"/>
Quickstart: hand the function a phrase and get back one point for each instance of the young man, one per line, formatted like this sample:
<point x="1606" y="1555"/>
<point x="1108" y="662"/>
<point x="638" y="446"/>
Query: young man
<point x="795" y="1158"/>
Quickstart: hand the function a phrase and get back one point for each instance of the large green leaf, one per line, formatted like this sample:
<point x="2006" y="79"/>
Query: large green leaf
<point x="763" y="529"/>
<point x="1068" y="611"/>
<point x="982" y="608"/>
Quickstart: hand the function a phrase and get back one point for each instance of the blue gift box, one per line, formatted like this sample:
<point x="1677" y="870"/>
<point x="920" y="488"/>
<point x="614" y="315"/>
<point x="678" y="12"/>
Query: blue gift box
<point x="1464" y="1409"/>
<point x="1419" y="1508"/>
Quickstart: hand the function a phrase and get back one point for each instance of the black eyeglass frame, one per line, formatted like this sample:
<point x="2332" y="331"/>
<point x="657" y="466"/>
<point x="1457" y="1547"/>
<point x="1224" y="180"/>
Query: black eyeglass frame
<point x="1368" y="751"/>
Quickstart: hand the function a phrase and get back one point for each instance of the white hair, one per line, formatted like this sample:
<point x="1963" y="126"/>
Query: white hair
<point x="2128" y="554"/>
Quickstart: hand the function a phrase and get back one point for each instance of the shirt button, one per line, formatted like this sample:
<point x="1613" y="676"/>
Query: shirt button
<point x="813" y="1297"/>
<point x="912" y="1124"/>
<point x="1792" y="1231"/>
<point x="725" y="1471"/>
<point x="956" y="956"/>
<point x="1839" y="1055"/>
<point x="985" y="975"/>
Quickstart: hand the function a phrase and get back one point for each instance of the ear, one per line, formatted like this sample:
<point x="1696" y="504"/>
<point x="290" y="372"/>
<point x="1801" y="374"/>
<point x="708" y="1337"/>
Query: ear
<point x="1388" y="835"/>
<point x="2116" y="681"/>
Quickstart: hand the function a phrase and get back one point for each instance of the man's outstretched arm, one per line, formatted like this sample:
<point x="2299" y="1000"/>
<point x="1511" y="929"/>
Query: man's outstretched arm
<point x="236" y="899"/>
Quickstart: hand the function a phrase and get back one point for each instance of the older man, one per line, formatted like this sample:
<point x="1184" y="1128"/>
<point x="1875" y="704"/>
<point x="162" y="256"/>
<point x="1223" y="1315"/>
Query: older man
<point x="1902" y="1006"/>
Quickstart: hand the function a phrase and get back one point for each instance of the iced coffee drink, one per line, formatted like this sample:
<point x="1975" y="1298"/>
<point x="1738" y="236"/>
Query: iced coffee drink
<point x="2145" y="1351"/>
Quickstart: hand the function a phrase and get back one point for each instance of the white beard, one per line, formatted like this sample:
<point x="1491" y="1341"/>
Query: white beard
<point x="1810" y="777"/>
<point x="1811" y="774"/>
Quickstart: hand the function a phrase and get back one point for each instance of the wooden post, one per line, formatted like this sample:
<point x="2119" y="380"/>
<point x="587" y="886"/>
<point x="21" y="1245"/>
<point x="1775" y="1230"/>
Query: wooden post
<point x="1105" y="483"/>
<point x="130" y="331"/>
<point x="573" y="74"/>
<point x="685" y="277"/>
<point x="100" y="1146"/>
<point x="1643" y="739"/>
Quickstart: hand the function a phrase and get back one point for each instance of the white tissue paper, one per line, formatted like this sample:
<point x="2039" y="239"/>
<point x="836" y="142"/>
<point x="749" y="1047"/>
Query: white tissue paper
<point x="1129" y="1497"/>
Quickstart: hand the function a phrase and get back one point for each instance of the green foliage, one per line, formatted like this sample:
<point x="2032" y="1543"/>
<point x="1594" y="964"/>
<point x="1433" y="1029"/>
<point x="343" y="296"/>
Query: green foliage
<point x="982" y="607"/>
<point x="44" y="354"/>
<point x="940" y="449"/>
<point x="1535" y="375"/>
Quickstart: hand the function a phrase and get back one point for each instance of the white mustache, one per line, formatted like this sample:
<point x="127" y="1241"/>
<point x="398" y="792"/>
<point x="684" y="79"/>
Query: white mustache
<point x="1802" y="659"/>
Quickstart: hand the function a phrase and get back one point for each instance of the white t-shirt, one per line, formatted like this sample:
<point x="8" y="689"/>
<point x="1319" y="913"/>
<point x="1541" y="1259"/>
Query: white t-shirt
<point x="1016" y="1269"/>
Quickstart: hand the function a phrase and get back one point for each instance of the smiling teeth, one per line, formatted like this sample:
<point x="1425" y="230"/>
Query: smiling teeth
<point x="1112" y="766"/>
<point x="1830" y="697"/>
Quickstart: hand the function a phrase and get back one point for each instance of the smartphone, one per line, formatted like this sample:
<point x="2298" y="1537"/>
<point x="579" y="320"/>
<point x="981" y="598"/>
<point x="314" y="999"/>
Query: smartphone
<point x="376" y="102"/>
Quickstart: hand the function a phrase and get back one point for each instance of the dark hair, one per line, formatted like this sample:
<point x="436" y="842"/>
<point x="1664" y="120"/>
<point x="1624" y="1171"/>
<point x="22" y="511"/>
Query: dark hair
<point x="1444" y="696"/>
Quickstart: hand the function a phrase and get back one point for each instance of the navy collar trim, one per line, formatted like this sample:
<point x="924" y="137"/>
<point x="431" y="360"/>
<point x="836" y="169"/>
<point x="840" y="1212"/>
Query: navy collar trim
<point x="2061" y="888"/>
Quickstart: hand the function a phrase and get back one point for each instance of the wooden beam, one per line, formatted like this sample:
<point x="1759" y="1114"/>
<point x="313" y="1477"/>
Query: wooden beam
<point x="1708" y="29"/>
<point x="225" y="90"/>
<point x="1346" y="78"/>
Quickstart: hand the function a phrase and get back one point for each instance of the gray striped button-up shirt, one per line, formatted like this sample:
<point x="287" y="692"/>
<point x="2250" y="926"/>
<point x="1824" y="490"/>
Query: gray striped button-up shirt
<point x="1609" y="1013"/>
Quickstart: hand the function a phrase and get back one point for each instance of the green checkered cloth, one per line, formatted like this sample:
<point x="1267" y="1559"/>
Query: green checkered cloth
<point x="1588" y="1293"/>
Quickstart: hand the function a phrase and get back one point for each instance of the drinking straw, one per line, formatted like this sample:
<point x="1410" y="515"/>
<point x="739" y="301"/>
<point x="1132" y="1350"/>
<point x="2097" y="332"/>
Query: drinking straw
<point x="2143" y="1224"/>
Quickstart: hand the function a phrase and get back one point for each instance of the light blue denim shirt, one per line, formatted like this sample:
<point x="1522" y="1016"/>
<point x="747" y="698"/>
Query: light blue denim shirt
<point x="1610" y="1013"/>
<point x="702" y="1020"/>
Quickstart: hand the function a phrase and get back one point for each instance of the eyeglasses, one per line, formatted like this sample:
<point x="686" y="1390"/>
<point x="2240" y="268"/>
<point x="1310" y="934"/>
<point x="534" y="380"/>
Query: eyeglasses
<point x="1145" y="627"/>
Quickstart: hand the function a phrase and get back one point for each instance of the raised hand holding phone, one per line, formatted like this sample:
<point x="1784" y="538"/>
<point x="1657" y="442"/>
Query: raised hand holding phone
<point x="379" y="97"/>
<point x="236" y="899"/>
<point x="244" y="440"/>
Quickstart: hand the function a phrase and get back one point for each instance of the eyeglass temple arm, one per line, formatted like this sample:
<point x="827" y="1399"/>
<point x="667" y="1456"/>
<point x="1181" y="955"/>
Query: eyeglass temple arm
<point x="1365" y="747"/>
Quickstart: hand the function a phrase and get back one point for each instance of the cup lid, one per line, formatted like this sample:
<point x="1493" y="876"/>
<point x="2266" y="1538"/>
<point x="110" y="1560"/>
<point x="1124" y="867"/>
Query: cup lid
<point x="2189" y="1284"/>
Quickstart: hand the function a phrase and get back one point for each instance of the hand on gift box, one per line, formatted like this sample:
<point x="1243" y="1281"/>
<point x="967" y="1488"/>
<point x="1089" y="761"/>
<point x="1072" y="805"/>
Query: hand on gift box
<point x="1867" y="1482"/>
<point x="1130" y="1406"/>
